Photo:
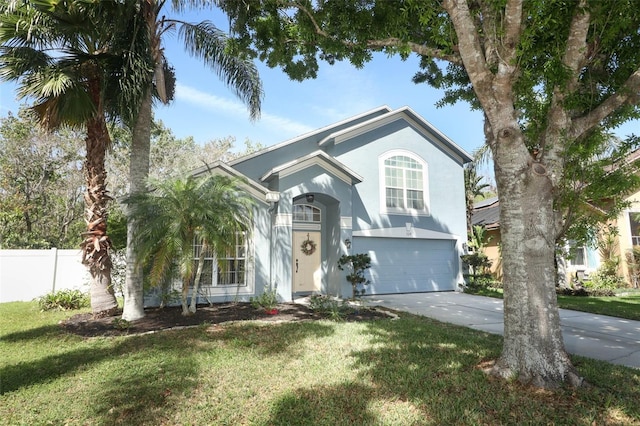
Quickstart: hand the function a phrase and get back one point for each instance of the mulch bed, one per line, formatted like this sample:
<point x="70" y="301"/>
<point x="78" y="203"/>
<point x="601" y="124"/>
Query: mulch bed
<point x="157" y="319"/>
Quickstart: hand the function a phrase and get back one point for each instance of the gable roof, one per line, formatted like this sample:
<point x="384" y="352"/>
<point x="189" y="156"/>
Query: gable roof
<point x="406" y="113"/>
<point x="260" y="192"/>
<point x="487" y="213"/>
<point x="319" y="133"/>
<point x="319" y="158"/>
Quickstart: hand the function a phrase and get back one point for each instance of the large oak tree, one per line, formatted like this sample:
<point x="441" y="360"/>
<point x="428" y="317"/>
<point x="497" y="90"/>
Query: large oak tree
<point x="546" y="74"/>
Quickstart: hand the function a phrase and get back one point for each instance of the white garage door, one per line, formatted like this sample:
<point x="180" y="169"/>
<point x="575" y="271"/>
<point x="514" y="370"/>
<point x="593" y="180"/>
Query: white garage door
<point x="409" y="265"/>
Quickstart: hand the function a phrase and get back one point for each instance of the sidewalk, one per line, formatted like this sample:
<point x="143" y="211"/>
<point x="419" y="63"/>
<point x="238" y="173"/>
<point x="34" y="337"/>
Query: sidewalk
<point x="595" y="336"/>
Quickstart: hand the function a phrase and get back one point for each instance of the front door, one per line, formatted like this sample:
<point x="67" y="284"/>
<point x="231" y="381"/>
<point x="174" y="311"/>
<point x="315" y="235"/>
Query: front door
<point x="307" y="275"/>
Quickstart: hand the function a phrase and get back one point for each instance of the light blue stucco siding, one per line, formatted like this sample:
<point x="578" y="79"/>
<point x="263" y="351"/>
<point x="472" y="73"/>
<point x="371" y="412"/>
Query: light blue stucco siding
<point x="422" y="264"/>
<point x="332" y="196"/>
<point x="445" y="180"/>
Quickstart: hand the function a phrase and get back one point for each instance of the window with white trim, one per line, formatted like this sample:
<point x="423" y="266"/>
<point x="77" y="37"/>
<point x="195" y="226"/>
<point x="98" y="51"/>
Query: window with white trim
<point x="228" y="269"/>
<point x="306" y="213"/>
<point x="577" y="255"/>
<point x="634" y="224"/>
<point x="404" y="189"/>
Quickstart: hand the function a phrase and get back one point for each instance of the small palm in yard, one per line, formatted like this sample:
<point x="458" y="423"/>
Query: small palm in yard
<point x="182" y="213"/>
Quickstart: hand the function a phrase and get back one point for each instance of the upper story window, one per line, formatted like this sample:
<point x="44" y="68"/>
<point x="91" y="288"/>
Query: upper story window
<point x="306" y="213"/>
<point x="404" y="186"/>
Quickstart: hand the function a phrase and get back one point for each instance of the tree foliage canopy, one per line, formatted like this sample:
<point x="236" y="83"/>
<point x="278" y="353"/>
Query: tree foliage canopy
<point x="549" y="76"/>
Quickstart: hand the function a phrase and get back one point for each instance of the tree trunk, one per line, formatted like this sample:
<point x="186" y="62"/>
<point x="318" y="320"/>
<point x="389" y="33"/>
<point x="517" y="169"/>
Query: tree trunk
<point x="138" y="174"/>
<point x="185" y="293"/>
<point x="196" y="281"/>
<point x="533" y="348"/>
<point x="561" y="264"/>
<point x="96" y="245"/>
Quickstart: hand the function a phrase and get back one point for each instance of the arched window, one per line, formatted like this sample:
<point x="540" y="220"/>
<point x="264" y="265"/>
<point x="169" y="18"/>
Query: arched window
<point x="404" y="187"/>
<point x="306" y="213"/>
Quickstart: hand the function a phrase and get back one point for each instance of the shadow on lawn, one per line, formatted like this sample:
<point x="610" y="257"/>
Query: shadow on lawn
<point x="49" y="368"/>
<point x="341" y="404"/>
<point x="430" y="371"/>
<point x="270" y="339"/>
<point x="46" y="331"/>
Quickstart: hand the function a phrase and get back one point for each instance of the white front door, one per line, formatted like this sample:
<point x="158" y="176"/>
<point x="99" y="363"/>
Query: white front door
<point x="307" y="274"/>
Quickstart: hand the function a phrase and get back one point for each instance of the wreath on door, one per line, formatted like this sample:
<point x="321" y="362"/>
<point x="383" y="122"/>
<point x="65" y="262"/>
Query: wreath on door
<point x="308" y="246"/>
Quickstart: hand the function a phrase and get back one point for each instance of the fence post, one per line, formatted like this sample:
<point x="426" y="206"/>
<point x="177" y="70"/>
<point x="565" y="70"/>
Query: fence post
<point x="55" y="268"/>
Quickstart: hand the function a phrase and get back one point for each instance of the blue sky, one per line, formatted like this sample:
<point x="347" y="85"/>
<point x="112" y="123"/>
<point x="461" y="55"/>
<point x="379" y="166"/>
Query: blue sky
<point x="206" y="109"/>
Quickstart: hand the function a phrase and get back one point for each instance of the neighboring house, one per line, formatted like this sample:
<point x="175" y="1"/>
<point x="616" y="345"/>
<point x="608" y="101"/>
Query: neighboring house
<point x="487" y="213"/>
<point x="385" y="182"/>
<point x="581" y="261"/>
<point x="628" y="224"/>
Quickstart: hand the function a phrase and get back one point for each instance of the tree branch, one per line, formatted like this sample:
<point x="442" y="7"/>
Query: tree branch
<point x="576" y="49"/>
<point x="382" y="43"/>
<point x="416" y="48"/>
<point x="629" y="93"/>
<point x="471" y="52"/>
<point x="513" y="30"/>
<point x="574" y="55"/>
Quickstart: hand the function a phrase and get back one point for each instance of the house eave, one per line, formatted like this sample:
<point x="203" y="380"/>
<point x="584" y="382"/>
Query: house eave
<point x="425" y="127"/>
<point x="307" y="135"/>
<point x="254" y="188"/>
<point x="319" y="158"/>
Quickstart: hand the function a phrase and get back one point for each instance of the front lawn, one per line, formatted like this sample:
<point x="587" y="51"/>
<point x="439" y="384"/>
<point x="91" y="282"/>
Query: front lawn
<point x="626" y="305"/>
<point x="409" y="371"/>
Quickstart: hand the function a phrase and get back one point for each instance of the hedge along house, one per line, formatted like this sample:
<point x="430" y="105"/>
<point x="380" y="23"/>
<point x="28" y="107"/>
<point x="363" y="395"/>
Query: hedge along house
<point x="385" y="182"/>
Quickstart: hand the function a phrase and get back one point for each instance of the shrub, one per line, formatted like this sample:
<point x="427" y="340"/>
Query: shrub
<point x="604" y="279"/>
<point x="63" y="300"/>
<point x="584" y="292"/>
<point x="357" y="264"/>
<point x="267" y="300"/>
<point x="325" y="305"/>
<point x="475" y="282"/>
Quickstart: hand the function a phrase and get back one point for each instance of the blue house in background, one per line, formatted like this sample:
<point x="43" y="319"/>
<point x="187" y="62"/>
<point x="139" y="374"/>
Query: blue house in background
<point x="385" y="182"/>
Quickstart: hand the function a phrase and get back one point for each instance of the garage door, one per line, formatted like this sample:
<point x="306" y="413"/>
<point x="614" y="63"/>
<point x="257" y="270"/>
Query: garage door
<point x="409" y="265"/>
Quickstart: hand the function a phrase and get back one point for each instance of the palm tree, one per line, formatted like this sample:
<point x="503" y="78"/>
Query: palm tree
<point x="183" y="213"/>
<point x="78" y="60"/>
<point x="473" y="188"/>
<point x="206" y="42"/>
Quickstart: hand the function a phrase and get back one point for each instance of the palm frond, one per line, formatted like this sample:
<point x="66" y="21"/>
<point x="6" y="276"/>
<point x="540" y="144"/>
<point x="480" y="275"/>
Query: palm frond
<point x="205" y="41"/>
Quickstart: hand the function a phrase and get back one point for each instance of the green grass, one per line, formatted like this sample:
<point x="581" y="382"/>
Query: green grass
<point x="410" y="371"/>
<point x="620" y="306"/>
<point x="625" y="306"/>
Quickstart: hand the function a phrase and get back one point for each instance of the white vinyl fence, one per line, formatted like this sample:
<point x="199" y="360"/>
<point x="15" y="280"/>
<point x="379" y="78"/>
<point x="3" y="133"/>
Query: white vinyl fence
<point x="28" y="274"/>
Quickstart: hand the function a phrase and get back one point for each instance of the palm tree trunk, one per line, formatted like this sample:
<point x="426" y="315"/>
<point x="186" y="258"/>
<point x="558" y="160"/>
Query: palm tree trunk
<point x="138" y="173"/>
<point x="185" y="293"/>
<point x="96" y="244"/>
<point x="196" y="281"/>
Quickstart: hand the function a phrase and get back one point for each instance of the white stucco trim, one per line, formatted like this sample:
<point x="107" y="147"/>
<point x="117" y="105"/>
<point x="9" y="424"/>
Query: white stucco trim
<point x="346" y="222"/>
<point x="381" y="109"/>
<point x="406" y="113"/>
<point x="284" y="219"/>
<point x="405" y="232"/>
<point x="258" y="191"/>
<point x="316" y="158"/>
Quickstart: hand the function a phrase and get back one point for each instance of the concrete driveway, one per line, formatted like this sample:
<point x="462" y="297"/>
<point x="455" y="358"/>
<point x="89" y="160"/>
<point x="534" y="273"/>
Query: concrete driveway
<point x="595" y="336"/>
